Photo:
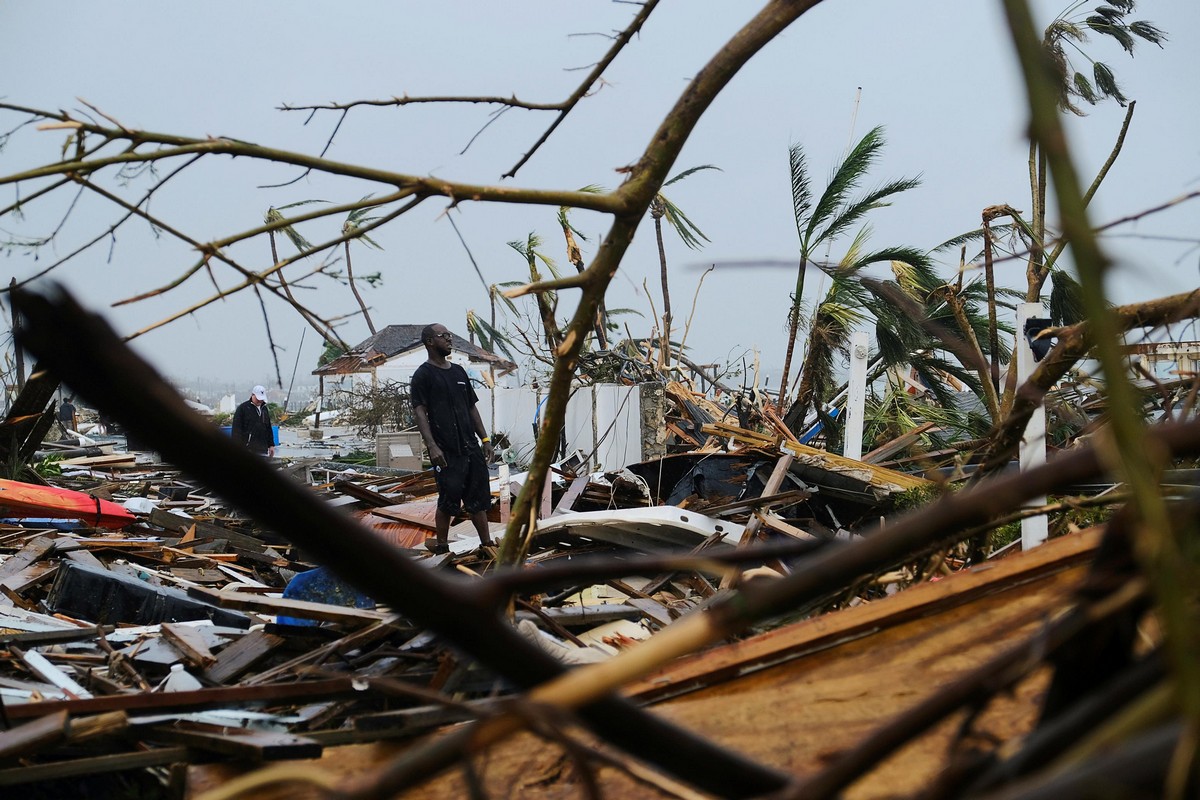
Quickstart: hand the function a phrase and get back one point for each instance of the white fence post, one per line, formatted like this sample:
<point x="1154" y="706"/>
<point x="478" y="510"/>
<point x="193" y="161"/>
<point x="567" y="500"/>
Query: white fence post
<point x="856" y="398"/>
<point x="1034" y="530"/>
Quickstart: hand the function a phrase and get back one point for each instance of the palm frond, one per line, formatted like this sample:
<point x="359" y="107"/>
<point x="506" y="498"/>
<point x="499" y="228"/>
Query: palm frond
<point x="298" y="241"/>
<point x="913" y="270"/>
<point x="851" y="213"/>
<point x="563" y="211"/>
<point x="1107" y="27"/>
<point x="801" y="190"/>
<point x="687" y="230"/>
<point x="1148" y="31"/>
<point x="845" y="179"/>
<point x="1082" y="87"/>
<point x="490" y="339"/>
<point x="1106" y="82"/>
<point x="687" y="172"/>
<point x="299" y="203"/>
<point x="549" y="262"/>
<point x="1066" y="299"/>
<point x="613" y="312"/>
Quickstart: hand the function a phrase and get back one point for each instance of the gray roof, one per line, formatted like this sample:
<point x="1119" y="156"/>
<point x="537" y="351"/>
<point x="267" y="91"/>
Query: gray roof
<point x="396" y="339"/>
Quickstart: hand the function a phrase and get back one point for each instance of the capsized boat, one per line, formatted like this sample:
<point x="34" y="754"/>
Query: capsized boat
<point x="23" y="500"/>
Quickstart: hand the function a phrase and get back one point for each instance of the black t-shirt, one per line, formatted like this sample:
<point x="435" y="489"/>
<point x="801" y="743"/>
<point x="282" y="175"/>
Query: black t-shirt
<point x="448" y="397"/>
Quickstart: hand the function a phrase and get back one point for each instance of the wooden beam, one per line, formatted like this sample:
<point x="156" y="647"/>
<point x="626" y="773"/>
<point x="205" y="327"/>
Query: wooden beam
<point x="304" y="609"/>
<point x="163" y="702"/>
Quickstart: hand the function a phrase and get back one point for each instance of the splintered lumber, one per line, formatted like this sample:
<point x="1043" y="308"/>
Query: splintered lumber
<point x="163" y="702"/>
<point x="409" y="519"/>
<point x="40" y="666"/>
<point x="918" y="602"/>
<point x="112" y="460"/>
<point x="57" y="770"/>
<point x="726" y="430"/>
<point x="796" y="696"/>
<point x="33" y="736"/>
<point x="889" y="449"/>
<point x="190" y="642"/>
<point x="778" y="474"/>
<point x="243" y="743"/>
<point x="567" y="501"/>
<point x="880" y="478"/>
<point x="204" y="529"/>
<point x="242" y="654"/>
<point x="773" y="522"/>
<point x="302" y="609"/>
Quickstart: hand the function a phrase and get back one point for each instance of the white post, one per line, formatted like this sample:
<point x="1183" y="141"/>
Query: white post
<point x="856" y="397"/>
<point x="1034" y="530"/>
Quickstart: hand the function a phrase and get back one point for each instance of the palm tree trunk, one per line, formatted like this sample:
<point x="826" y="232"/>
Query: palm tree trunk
<point x="575" y="256"/>
<point x="993" y="334"/>
<point x="664" y="349"/>
<point x="357" y="296"/>
<point x="793" y="330"/>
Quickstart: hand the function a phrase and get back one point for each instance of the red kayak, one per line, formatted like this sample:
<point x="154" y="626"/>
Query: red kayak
<point x="22" y="500"/>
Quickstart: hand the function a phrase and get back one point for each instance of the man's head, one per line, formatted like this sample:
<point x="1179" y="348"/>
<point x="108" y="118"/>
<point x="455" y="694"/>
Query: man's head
<point x="258" y="395"/>
<point x="437" y="339"/>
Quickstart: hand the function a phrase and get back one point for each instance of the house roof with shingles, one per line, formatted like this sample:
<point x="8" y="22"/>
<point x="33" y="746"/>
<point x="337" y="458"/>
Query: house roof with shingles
<point x="395" y="340"/>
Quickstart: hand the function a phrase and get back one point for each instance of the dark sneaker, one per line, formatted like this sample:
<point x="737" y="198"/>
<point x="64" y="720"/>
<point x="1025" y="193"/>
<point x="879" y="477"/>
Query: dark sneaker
<point x="436" y="547"/>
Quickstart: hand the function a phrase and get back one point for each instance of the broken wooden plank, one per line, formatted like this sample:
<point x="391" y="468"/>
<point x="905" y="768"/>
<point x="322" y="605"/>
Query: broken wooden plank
<point x="888" y="449"/>
<point x="303" y="609"/>
<point x="241" y="655"/>
<point x="727" y="430"/>
<point x="190" y="643"/>
<point x="242" y="743"/>
<point x="409" y="519"/>
<point x="174" y="522"/>
<point x="567" y="501"/>
<point x="815" y="634"/>
<point x="57" y="770"/>
<point x="776" y="524"/>
<point x="39" y="665"/>
<point x="162" y="702"/>
<point x="33" y="736"/>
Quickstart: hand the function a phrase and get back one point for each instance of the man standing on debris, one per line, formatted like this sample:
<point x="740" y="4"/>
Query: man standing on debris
<point x="444" y="404"/>
<point x="252" y="423"/>
<point x="66" y="416"/>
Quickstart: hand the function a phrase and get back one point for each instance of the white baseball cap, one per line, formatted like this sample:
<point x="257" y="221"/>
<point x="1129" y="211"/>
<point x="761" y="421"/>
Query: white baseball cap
<point x="260" y="392"/>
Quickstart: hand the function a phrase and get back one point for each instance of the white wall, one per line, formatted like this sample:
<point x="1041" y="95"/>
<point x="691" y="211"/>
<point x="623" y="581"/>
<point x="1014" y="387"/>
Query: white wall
<point x="612" y="441"/>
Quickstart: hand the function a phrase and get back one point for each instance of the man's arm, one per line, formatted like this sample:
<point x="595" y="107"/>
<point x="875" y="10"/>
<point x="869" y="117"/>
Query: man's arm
<point x="270" y="430"/>
<point x="436" y="456"/>
<point x="481" y="432"/>
<point x="235" y="426"/>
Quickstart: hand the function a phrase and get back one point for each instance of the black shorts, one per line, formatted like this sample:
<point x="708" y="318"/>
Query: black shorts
<point x="463" y="483"/>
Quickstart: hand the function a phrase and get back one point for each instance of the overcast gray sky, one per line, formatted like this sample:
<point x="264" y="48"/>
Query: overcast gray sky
<point x="938" y="75"/>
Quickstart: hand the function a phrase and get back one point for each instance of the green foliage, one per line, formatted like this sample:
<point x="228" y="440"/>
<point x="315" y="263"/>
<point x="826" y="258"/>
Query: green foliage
<point x="490" y="339"/>
<point x="687" y="230"/>
<point x="357" y="458"/>
<point x="222" y="418"/>
<point x="49" y="466"/>
<point x="273" y="215"/>
<point x="1069" y="33"/>
<point x="333" y="350"/>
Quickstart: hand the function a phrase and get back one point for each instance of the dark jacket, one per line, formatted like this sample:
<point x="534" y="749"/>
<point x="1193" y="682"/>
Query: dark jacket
<point x="252" y="427"/>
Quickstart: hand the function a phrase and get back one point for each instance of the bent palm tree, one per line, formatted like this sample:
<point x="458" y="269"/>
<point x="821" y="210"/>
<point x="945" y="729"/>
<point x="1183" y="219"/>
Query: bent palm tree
<point x="834" y="213"/>
<point x="849" y="302"/>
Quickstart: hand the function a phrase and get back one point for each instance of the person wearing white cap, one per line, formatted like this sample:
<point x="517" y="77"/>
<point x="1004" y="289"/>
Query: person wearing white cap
<point x="252" y="423"/>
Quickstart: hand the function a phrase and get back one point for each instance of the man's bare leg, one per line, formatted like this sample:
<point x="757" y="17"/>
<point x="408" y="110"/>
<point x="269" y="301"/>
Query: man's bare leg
<point x="441" y="521"/>
<point x="483" y="528"/>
